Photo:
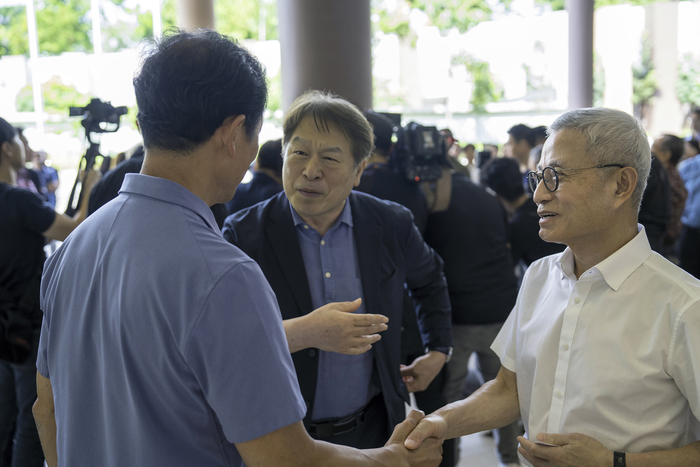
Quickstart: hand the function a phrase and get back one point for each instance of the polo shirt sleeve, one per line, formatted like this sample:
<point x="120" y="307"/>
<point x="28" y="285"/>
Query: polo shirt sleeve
<point x="33" y="213"/>
<point x="685" y="357"/>
<point x="238" y="352"/>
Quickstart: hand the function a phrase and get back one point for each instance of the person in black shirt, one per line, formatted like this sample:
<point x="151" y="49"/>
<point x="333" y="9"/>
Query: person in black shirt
<point x="655" y="211"/>
<point x="27" y="220"/>
<point x="470" y="235"/>
<point x="503" y="177"/>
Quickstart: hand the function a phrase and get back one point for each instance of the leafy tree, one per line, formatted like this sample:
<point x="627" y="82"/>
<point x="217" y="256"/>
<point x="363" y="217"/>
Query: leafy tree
<point x="644" y="82"/>
<point x="484" y="87"/>
<point x="688" y="84"/>
<point x="448" y="14"/>
<point x="58" y="97"/>
<point x="62" y="26"/>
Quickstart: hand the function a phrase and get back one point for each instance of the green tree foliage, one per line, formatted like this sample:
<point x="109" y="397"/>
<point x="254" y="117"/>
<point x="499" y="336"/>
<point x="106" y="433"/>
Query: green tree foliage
<point x="58" y="97"/>
<point x="448" y="14"/>
<point x="484" y="87"/>
<point x="688" y="84"/>
<point x="644" y="82"/>
<point x="62" y="26"/>
<point x="557" y="5"/>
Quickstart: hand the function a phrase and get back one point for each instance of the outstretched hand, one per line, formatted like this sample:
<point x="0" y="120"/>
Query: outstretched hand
<point x="571" y="450"/>
<point x="429" y="454"/>
<point x="418" y="375"/>
<point x="334" y="328"/>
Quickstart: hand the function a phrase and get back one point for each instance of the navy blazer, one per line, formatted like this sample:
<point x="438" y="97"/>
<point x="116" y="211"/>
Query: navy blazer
<point x="391" y="252"/>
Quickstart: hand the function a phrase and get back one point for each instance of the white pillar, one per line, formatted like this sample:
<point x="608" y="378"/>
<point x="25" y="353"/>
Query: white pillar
<point x="580" y="53"/>
<point x="34" y="65"/>
<point x="96" y="28"/>
<point x="194" y="14"/>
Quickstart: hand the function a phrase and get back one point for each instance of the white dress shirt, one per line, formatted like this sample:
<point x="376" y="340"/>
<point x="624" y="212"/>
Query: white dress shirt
<point x="614" y="355"/>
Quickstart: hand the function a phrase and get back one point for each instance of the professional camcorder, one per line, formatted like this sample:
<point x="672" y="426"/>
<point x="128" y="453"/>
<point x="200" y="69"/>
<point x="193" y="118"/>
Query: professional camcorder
<point x="420" y="153"/>
<point x="98" y="117"/>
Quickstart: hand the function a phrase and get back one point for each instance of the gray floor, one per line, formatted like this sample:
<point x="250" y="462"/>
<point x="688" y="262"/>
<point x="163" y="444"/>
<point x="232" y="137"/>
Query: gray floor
<point x="477" y="450"/>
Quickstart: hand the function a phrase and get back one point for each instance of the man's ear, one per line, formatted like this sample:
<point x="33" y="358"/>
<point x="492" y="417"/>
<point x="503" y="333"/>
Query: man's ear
<point x="358" y="175"/>
<point x="626" y="183"/>
<point x="232" y="130"/>
<point x="5" y="150"/>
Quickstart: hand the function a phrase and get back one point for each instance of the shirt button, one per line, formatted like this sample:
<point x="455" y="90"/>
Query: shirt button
<point x="565" y="346"/>
<point x="328" y="274"/>
<point x="306" y="226"/>
<point x="323" y="242"/>
<point x="558" y="394"/>
<point x="577" y="300"/>
<point x="312" y="353"/>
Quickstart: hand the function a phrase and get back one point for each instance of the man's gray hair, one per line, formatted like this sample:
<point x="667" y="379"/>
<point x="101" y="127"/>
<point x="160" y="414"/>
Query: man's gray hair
<point x="612" y="137"/>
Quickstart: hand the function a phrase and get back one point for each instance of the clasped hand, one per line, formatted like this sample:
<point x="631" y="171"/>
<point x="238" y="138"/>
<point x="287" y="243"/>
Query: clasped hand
<point x="430" y="452"/>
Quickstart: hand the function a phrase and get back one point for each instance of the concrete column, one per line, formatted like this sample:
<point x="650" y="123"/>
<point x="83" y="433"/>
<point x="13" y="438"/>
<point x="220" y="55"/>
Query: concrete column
<point x="194" y="14"/>
<point x="325" y="45"/>
<point x="580" y="53"/>
<point x="666" y="114"/>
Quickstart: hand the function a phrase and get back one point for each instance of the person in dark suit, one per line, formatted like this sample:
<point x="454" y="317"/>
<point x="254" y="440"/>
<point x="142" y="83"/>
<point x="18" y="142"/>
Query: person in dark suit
<point x="320" y="242"/>
<point x="267" y="178"/>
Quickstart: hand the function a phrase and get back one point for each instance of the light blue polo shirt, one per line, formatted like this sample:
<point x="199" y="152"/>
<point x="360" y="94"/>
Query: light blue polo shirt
<point x="163" y="342"/>
<point x="690" y="173"/>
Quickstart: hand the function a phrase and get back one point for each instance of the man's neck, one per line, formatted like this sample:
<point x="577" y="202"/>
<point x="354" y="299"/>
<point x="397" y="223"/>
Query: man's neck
<point x="587" y="256"/>
<point x="322" y="224"/>
<point x="8" y="174"/>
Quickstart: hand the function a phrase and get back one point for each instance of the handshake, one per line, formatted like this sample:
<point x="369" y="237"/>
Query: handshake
<point x="417" y="440"/>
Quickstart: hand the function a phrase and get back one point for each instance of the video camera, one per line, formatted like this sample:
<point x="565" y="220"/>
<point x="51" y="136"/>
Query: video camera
<point x="420" y="153"/>
<point x="98" y="117"/>
<point x="98" y="113"/>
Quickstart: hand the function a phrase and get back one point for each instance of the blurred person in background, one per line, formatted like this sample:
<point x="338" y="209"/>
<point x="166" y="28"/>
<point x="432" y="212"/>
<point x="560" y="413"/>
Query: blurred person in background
<point x="48" y="176"/>
<point x="502" y="176"/>
<point x="689" y="246"/>
<point x="669" y="150"/>
<point x="521" y="140"/>
<point x="691" y="149"/>
<point x="27" y="178"/>
<point x="267" y="178"/>
<point x="470" y="235"/>
<point x="27" y="222"/>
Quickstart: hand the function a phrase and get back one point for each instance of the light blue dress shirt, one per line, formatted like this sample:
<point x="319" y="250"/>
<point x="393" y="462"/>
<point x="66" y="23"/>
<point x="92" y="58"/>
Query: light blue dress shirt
<point x="690" y="173"/>
<point x="344" y="382"/>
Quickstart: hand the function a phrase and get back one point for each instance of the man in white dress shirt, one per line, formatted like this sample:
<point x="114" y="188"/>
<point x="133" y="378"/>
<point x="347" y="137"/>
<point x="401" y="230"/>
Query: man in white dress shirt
<point x="601" y="355"/>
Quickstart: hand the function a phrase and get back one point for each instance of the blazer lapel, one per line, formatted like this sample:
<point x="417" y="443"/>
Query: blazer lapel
<point x="283" y="238"/>
<point x="368" y="238"/>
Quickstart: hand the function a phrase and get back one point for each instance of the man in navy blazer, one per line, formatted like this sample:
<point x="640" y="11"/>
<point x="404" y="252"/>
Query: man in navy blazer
<point x="319" y="243"/>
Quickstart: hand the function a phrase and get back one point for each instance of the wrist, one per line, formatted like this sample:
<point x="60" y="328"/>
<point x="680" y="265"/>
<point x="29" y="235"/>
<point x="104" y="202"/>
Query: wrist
<point x="619" y="459"/>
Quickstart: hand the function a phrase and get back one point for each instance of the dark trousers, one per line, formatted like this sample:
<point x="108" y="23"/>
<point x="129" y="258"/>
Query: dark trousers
<point x="432" y="398"/>
<point x="17" y="396"/>
<point x="689" y="253"/>
<point x="371" y="429"/>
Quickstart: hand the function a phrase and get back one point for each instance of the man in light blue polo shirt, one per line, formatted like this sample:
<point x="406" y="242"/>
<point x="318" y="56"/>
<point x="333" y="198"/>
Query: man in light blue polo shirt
<point x="162" y="344"/>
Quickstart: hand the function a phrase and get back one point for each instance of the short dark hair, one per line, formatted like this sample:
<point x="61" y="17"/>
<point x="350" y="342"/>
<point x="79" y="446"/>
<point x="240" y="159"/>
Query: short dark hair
<point x="270" y="156"/>
<point x="330" y="110"/>
<point x="675" y="145"/>
<point x="7" y="131"/>
<point x="539" y="132"/>
<point x="383" y="130"/>
<point x="503" y="176"/>
<point x="522" y="131"/>
<point x="190" y="82"/>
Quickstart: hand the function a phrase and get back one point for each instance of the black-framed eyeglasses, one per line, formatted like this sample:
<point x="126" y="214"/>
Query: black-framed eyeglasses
<point x="550" y="176"/>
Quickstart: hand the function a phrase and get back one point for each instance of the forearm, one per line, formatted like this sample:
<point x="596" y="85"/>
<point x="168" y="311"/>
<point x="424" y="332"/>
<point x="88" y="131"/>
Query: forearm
<point x="341" y="456"/>
<point x="297" y="334"/>
<point x="686" y="456"/>
<point x="493" y="406"/>
<point x="46" y="426"/>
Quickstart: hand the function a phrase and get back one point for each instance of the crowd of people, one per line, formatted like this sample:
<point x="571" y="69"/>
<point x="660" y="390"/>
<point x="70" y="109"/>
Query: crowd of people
<point x="189" y="319"/>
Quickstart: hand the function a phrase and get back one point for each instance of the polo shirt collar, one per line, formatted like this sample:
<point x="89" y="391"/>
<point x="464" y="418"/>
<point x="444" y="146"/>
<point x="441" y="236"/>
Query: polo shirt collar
<point x="617" y="267"/>
<point x="169" y="192"/>
<point x="345" y="216"/>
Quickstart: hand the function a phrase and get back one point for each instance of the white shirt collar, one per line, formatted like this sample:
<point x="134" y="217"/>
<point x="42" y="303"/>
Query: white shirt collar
<point x="617" y="267"/>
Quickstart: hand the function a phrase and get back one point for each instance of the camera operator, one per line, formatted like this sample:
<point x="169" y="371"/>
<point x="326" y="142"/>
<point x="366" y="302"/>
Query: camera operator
<point x="27" y="221"/>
